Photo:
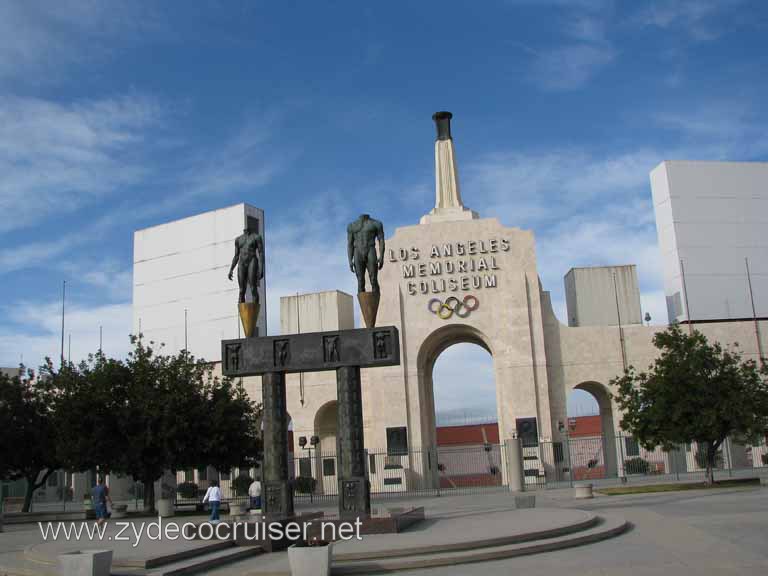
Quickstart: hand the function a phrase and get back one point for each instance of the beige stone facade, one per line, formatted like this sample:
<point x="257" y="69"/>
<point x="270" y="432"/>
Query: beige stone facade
<point x="457" y="278"/>
<point x="537" y="360"/>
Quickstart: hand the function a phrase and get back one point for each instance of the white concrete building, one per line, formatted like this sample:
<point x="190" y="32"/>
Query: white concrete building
<point x="603" y="296"/>
<point x="712" y="216"/>
<point x="180" y="288"/>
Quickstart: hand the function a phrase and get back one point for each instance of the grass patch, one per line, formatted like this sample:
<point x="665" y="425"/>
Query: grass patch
<point x="680" y="486"/>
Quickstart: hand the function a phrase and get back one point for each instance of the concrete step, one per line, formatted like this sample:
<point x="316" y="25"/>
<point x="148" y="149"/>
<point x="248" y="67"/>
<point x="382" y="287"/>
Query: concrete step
<point x="606" y="527"/>
<point x="533" y="535"/>
<point x="204" y="563"/>
<point x="164" y="559"/>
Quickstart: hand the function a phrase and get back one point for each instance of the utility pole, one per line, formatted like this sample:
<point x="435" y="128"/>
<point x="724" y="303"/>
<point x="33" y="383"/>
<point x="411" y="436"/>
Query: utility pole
<point x="621" y="330"/>
<point x="63" y="299"/>
<point x="754" y="315"/>
<point x="685" y="297"/>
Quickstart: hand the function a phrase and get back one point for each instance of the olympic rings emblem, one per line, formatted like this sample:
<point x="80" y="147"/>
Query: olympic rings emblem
<point x="453" y="306"/>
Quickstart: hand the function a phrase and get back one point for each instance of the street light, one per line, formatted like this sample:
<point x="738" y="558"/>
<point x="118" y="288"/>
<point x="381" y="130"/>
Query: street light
<point x="313" y="441"/>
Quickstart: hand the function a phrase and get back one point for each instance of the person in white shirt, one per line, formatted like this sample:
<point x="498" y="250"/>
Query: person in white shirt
<point x="213" y="495"/>
<point x="254" y="491"/>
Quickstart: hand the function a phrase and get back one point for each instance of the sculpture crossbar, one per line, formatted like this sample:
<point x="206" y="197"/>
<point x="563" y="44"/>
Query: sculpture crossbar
<point x="311" y="352"/>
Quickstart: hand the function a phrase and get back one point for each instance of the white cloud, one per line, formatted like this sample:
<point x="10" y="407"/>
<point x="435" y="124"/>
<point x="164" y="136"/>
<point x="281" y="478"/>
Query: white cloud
<point x="39" y="39"/>
<point x="36" y="331"/>
<point x="584" y="51"/>
<point x="56" y="158"/>
<point x="109" y="276"/>
<point x="571" y="67"/>
<point x="702" y="20"/>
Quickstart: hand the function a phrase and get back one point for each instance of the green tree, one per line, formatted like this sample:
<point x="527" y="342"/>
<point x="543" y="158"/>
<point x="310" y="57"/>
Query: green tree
<point x="694" y="391"/>
<point x="28" y="424"/>
<point x="165" y="412"/>
<point x="87" y="406"/>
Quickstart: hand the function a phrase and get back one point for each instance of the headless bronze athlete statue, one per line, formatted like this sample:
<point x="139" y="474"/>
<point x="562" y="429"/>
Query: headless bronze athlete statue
<point x="361" y="252"/>
<point x="249" y="259"/>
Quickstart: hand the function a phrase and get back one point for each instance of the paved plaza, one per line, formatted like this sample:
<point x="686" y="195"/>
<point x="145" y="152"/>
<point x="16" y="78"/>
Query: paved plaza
<point x="694" y="532"/>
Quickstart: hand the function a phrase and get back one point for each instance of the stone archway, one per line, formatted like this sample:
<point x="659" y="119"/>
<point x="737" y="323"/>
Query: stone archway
<point x="430" y="350"/>
<point x="607" y="442"/>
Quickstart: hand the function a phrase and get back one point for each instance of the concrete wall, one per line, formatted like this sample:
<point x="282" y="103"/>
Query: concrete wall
<point x="591" y="295"/>
<point x="712" y="215"/>
<point x="183" y="265"/>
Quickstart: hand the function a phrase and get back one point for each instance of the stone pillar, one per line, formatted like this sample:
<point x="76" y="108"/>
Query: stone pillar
<point x="354" y="486"/>
<point x="515" y="472"/>
<point x="277" y="501"/>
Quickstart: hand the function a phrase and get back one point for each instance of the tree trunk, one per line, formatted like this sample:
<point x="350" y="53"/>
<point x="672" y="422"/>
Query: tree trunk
<point x="149" y="494"/>
<point x="31" y="487"/>
<point x="711" y="453"/>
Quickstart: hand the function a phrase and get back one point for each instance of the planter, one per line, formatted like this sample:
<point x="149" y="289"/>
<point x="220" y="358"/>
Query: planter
<point x="583" y="491"/>
<point x="236" y="510"/>
<point x="87" y="504"/>
<point x="119" y="511"/>
<point x="86" y="563"/>
<point x="310" y="560"/>
<point x="165" y="508"/>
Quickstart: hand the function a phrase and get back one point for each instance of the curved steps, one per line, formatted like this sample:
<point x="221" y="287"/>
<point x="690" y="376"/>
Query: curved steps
<point x="604" y="528"/>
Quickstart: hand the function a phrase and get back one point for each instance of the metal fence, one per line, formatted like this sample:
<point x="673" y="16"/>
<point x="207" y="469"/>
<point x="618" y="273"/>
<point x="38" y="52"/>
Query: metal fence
<point x="620" y="459"/>
<point x="424" y="472"/>
<point x="429" y="472"/>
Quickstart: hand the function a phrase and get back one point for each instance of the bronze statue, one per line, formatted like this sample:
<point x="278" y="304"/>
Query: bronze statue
<point x="249" y="259"/>
<point x="361" y="250"/>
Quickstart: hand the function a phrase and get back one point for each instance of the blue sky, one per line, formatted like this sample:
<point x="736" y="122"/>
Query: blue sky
<point x="120" y="115"/>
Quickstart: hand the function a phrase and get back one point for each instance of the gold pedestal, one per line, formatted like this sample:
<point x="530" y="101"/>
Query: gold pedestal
<point x="369" y="306"/>
<point x="249" y="314"/>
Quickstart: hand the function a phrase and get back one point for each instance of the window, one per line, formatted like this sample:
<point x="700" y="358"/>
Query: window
<point x="372" y="464"/>
<point x="189" y="475"/>
<point x="631" y="446"/>
<point x="528" y="432"/>
<point x="53" y="480"/>
<point x="202" y="473"/>
<point x="397" y="441"/>
<point x="224" y="475"/>
<point x="329" y="467"/>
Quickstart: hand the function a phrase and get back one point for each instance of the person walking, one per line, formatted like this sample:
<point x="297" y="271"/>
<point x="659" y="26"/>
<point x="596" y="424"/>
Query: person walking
<point x="254" y="491"/>
<point x="213" y="495"/>
<point x="100" y="497"/>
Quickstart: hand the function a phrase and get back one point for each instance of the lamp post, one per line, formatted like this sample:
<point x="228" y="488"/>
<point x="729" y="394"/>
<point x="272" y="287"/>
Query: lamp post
<point x="565" y="430"/>
<point x="313" y="441"/>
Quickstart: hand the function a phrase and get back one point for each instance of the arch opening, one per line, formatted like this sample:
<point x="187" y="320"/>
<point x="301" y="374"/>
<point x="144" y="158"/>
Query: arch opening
<point x="591" y="432"/>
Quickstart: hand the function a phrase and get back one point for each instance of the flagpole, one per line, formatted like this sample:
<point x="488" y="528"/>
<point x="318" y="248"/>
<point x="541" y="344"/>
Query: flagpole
<point x="754" y="314"/>
<point x="63" y="298"/>
<point x="685" y="296"/>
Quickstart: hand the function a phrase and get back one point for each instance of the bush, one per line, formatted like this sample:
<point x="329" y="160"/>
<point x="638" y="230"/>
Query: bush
<point x="188" y="490"/>
<point x="305" y="485"/>
<point x="241" y="484"/>
<point x="636" y="466"/>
